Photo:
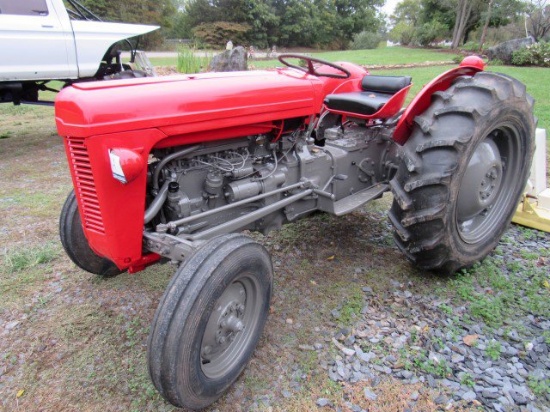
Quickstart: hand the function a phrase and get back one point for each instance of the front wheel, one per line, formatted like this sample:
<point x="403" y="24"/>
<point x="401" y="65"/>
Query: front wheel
<point x="76" y="245"/>
<point x="209" y="321"/>
<point x="464" y="169"/>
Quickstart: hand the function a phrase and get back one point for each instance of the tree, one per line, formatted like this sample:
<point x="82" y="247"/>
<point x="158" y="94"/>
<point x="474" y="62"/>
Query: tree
<point x="463" y="12"/>
<point x="538" y="19"/>
<point x="422" y="21"/>
<point x="500" y="13"/>
<point x="157" y="12"/>
<point x="355" y="16"/>
<point x="471" y="13"/>
<point x="407" y="11"/>
<point x="290" y="23"/>
<point x="486" y="25"/>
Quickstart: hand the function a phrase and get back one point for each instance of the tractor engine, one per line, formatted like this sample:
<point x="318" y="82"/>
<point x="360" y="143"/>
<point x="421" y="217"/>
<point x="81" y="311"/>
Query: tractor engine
<point x="245" y="174"/>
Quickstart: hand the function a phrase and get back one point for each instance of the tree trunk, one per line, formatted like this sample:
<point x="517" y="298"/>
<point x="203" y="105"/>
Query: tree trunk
<point x="462" y="14"/>
<point x="485" y="26"/>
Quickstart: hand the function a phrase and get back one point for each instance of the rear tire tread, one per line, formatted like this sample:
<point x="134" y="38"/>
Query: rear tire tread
<point x="422" y="213"/>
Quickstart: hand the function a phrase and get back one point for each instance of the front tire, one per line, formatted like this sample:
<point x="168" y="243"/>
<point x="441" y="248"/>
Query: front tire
<point x="464" y="169"/>
<point x="76" y="245"/>
<point x="209" y="321"/>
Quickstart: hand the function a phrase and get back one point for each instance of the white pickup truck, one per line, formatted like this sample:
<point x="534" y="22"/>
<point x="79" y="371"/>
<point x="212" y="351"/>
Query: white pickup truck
<point x="42" y="40"/>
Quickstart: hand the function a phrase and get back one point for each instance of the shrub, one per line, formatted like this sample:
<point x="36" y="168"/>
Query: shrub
<point x="430" y="32"/>
<point x="402" y="33"/>
<point x="495" y="62"/>
<point x="218" y="33"/>
<point x="537" y="54"/>
<point x="458" y="58"/>
<point x="471" y="46"/>
<point x="366" y="40"/>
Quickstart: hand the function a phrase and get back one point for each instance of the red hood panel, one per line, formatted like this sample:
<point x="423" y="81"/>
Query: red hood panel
<point x="199" y="101"/>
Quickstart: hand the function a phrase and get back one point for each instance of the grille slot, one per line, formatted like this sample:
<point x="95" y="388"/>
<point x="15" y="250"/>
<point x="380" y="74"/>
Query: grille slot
<point x="85" y="185"/>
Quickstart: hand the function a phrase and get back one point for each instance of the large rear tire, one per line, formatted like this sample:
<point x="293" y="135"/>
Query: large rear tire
<point x="76" y="245"/>
<point x="209" y="321"/>
<point x="464" y="169"/>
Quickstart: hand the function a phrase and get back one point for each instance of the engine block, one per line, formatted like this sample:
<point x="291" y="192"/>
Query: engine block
<point x="246" y="175"/>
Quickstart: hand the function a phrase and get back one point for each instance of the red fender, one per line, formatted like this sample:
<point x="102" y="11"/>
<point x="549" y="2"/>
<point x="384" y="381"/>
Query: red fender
<point x="469" y="66"/>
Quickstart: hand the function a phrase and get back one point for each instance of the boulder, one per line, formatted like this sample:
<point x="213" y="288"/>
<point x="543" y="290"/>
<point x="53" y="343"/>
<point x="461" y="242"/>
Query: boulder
<point x="503" y="51"/>
<point x="229" y="61"/>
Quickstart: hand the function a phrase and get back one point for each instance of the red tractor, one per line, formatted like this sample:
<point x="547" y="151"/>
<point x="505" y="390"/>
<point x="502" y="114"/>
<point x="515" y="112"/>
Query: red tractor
<point x="172" y="169"/>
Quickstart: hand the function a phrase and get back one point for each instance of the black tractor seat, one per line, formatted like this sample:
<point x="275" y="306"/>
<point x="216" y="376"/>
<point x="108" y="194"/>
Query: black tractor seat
<point x="377" y="92"/>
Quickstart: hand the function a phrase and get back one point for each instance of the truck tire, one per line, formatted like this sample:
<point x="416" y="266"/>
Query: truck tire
<point x="76" y="245"/>
<point x="209" y="321"/>
<point x="463" y="171"/>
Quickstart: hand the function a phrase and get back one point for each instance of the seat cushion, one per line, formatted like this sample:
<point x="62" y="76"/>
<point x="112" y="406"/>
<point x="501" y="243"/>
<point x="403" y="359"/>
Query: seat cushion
<point x="385" y="84"/>
<point x="357" y="102"/>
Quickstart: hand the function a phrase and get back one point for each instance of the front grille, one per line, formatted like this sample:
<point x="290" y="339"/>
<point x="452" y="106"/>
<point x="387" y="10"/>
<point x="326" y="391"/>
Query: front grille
<point x="84" y="185"/>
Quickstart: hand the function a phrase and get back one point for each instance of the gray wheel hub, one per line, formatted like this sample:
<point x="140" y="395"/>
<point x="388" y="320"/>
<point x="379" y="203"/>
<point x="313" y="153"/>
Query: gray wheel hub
<point x="481" y="182"/>
<point x="225" y="322"/>
<point x="230" y="327"/>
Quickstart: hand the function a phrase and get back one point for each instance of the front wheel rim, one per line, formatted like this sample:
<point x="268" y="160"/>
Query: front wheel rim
<point x="231" y="327"/>
<point x="489" y="184"/>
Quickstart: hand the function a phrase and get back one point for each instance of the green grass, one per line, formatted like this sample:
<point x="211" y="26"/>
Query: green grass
<point x="438" y="368"/>
<point x="386" y="56"/>
<point x="380" y="56"/>
<point x="163" y="61"/>
<point x="540" y="387"/>
<point x="18" y="260"/>
<point x="492" y="292"/>
<point x="493" y="350"/>
<point x="351" y="310"/>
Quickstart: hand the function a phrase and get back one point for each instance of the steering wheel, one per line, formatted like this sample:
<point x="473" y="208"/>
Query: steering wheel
<point x="311" y="69"/>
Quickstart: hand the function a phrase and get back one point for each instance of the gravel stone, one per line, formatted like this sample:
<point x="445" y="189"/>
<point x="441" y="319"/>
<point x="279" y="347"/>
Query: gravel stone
<point x="322" y="402"/>
<point x="406" y="323"/>
<point x="518" y="398"/>
<point x="440" y="400"/>
<point x="11" y="325"/>
<point x="370" y="395"/>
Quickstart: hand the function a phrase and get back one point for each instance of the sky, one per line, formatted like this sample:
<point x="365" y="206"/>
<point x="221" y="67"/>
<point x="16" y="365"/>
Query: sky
<point x="389" y="6"/>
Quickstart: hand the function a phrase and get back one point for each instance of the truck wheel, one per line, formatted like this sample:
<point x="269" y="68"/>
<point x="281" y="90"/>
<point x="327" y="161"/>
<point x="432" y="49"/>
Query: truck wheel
<point x="464" y="169"/>
<point x="75" y="244"/>
<point x="209" y="321"/>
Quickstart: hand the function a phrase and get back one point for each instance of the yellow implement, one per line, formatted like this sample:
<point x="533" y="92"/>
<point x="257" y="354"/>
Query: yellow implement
<point x="530" y="214"/>
<point x="534" y="209"/>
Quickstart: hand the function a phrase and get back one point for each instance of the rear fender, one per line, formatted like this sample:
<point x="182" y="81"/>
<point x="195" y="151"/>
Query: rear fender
<point x="469" y="66"/>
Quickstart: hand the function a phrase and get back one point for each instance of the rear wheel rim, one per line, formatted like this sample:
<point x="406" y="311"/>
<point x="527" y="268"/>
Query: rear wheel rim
<point x="489" y="185"/>
<point x="230" y="329"/>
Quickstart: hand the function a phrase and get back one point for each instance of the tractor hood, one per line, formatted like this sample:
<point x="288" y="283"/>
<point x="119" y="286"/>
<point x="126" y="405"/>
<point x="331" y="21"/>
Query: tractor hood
<point x="179" y="105"/>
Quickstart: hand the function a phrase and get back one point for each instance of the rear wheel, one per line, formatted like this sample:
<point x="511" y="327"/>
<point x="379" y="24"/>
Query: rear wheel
<point x="76" y="245"/>
<point x="464" y="169"/>
<point x="209" y="321"/>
